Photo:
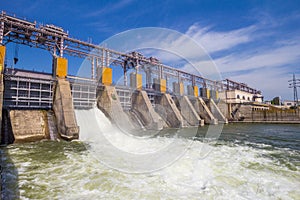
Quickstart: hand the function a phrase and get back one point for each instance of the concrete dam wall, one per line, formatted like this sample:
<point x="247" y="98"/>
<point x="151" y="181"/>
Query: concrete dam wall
<point x="26" y="126"/>
<point x="249" y="113"/>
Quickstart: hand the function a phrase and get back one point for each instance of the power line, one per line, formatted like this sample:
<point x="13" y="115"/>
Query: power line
<point x="294" y="84"/>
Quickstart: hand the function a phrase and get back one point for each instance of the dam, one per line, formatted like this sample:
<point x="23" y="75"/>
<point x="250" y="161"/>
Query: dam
<point x="39" y="105"/>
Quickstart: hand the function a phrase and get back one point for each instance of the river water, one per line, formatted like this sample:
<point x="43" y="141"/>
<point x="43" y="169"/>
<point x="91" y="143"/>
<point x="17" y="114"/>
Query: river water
<point x="248" y="161"/>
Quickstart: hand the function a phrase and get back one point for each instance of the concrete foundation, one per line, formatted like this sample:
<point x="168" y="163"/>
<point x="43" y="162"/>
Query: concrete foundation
<point x="166" y="108"/>
<point x="215" y="110"/>
<point x="204" y="112"/>
<point x="108" y="102"/>
<point x="64" y="111"/>
<point x="188" y="112"/>
<point x="29" y="125"/>
<point x="141" y="105"/>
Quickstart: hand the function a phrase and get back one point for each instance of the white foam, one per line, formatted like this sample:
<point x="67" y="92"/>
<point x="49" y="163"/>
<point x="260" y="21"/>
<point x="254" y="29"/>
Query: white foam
<point x="226" y="172"/>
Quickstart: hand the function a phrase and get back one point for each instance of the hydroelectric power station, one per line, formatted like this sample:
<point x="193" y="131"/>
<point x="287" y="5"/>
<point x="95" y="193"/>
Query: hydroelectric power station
<point x="39" y="105"/>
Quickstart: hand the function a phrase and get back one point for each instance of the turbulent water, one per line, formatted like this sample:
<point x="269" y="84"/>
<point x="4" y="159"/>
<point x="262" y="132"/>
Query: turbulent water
<point x="248" y="161"/>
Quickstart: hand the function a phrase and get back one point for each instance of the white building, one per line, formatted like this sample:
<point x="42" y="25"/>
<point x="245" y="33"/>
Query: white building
<point x="240" y="93"/>
<point x="238" y="96"/>
<point x="289" y="103"/>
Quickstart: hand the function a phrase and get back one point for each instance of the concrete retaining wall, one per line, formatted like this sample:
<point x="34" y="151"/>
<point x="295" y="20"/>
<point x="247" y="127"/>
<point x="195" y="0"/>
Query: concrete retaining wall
<point x="245" y="113"/>
<point x="29" y="125"/>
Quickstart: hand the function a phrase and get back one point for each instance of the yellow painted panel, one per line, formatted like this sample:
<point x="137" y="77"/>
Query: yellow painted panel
<point x="207" y="93"/>
<point x="2" y="57"/>
<point x="163" y="85"/>
<point x="139" y="81"/>
<point x="181" y="88"/>
<point x="61" y="67"/>
<point x="217" y="94"/>
<point x="106" y="76"/>
<point x="196" y="91"/>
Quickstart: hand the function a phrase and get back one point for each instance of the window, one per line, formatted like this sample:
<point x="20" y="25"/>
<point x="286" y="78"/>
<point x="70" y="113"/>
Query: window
<point x="248" y="98"/>
<point x="243" y="97"/>
<point x="238" y="96"/>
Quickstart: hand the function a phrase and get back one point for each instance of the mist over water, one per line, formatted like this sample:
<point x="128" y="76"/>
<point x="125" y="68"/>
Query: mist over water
<point x="249" y="161"/>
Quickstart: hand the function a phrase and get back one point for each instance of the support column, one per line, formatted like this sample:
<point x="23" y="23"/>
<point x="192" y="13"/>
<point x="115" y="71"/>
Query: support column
<point x="205" y="93"/>
<point x="136" y="81"/>
<point x="2" y="58"/>
<point x="190" y="90"/>
<point x="93" y="68"/>
<point x="63" y="102"/>
<point x="148" y="78"/>
<point x="178" y="88"/>
<point x="160" y="85"/>
<point x="1" y="32"/>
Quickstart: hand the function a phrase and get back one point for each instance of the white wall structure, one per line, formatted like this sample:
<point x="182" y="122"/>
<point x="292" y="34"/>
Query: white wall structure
<point x="238" y="96"/>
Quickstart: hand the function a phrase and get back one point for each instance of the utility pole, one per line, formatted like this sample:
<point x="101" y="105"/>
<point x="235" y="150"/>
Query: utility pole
<point x="294" y="84"/>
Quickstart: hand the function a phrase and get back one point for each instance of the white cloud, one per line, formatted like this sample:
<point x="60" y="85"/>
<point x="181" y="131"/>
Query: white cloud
<point x="109" y="8"/>
<point x="249" y="60"/>
<point x="214" y="41"/>
<point x="271" y="81"/>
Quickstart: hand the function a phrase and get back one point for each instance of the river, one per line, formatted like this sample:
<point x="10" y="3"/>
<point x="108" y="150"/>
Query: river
<point x="248" y="161"/>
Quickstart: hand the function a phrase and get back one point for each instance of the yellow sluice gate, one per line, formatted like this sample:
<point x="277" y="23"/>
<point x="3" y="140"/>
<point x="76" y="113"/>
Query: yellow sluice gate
<point x="196" y="91"/>
<point x="2" y="57"/>
<point x="207" y="93"/>
<point x="106" y="76"/>
<point x="61" y="67"/>
<point x="139" y="81"/>
<point x="163" y="85"/>
<point x="181" y="88"/>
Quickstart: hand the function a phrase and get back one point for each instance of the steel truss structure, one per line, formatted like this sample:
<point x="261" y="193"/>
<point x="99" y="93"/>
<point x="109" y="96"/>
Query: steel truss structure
<point x="57" y="41"/>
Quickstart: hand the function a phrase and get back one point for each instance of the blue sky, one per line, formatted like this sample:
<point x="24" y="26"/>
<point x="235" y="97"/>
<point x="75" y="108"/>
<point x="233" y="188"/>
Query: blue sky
<point x="256" y="42"/>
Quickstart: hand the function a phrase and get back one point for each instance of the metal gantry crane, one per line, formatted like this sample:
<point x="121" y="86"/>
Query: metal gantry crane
<point x="58" y="42"/>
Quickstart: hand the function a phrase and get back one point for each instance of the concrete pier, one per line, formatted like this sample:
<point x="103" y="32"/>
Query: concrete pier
<point x="215" y="110"/>
<point x="141" y="105"/>
<point x="2" y="58"/>
<point x="64" y="111"/>
<point x="109" y="103"/>
<point x="204" y="112"/>
<point x="166" y="108"/>
<point x="188" y="112"/>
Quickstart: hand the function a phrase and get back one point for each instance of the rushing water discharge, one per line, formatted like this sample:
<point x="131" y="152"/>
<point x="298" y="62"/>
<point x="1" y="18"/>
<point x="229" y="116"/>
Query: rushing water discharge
<point x="249" y="161"/>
